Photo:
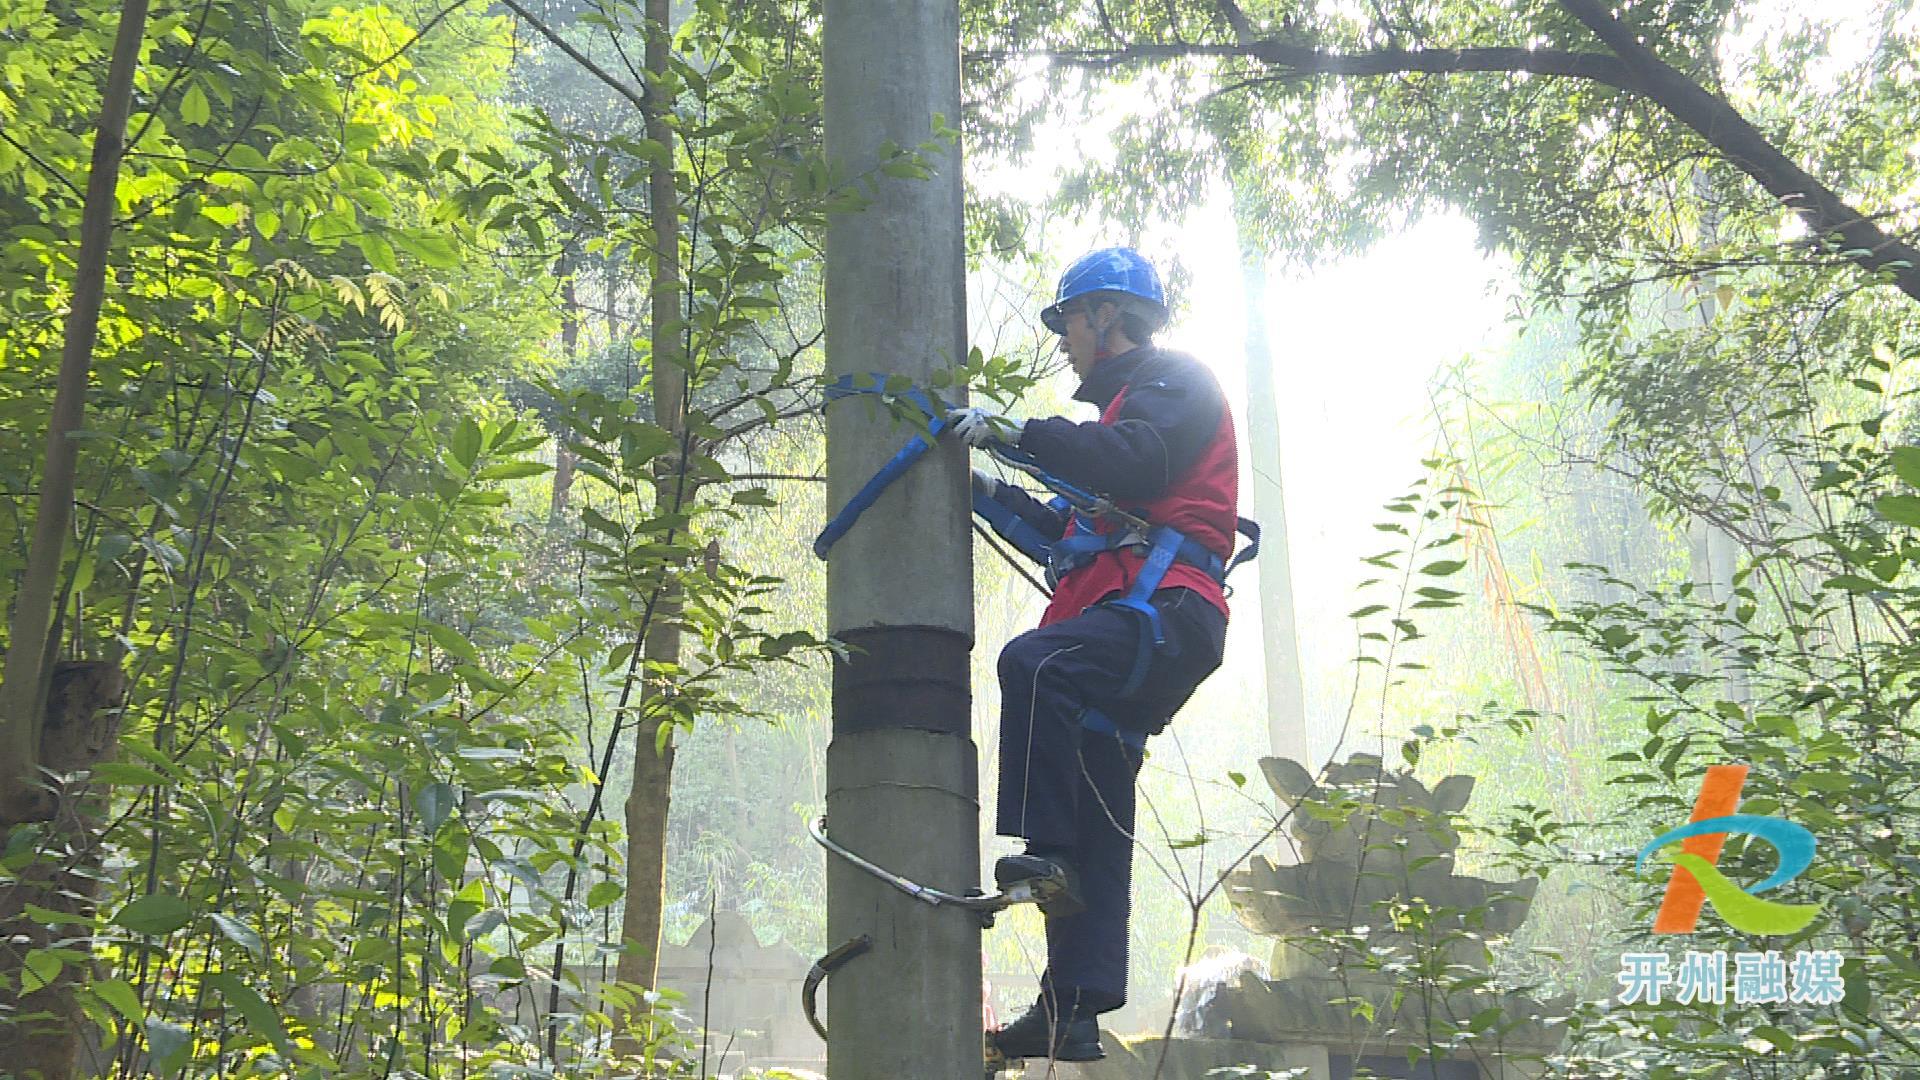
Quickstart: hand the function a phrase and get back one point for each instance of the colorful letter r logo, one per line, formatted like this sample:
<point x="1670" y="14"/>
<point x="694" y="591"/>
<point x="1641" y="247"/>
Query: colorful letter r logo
<point x="1695" y="880"/>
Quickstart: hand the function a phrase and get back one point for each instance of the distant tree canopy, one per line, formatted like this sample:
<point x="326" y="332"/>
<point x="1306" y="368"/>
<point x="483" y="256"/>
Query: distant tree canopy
<point x="1558" y="127"/>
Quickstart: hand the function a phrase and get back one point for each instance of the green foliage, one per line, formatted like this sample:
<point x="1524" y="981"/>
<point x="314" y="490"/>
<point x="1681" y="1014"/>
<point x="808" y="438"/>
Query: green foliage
<point x="342" y="830"/>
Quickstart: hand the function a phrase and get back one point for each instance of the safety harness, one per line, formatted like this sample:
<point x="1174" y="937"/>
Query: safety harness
<point x="1080" y="544"/>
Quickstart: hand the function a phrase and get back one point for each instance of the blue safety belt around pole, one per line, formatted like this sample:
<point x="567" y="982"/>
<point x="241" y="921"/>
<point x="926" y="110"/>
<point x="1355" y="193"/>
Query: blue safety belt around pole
<point x="869" y="492"/>
<point x="895" y="467"/>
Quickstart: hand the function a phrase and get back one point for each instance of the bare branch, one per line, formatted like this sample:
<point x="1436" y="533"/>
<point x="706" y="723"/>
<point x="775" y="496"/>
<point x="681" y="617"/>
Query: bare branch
<point x="1629" y="66"/>
<point x="769" y="477"/>
<point x="758" y="422"/>
<point x="1304" y="61"/>
<point x="1237" y="20"/>
<point x="1722" y="126"/>
<point x="637" y="97"/>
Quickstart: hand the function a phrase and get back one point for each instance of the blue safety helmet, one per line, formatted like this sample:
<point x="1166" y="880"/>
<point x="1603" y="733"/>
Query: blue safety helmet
<point x="1116" y="270"/>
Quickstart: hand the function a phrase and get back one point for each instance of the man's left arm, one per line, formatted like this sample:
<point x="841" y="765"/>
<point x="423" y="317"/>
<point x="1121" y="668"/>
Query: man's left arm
<point x="1166" y="421"/>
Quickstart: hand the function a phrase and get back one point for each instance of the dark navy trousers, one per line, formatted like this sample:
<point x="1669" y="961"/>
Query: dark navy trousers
<point x="1068" y="789"/>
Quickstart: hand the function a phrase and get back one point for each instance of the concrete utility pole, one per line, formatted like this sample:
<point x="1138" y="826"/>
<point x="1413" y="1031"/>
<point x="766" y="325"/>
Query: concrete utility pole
<point x="1287" y="734"/>
<point x="902" y="774"/>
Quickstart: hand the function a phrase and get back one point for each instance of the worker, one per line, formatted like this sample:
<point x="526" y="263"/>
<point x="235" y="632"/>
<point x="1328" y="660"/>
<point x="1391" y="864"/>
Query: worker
<point x="1079" y="694"/>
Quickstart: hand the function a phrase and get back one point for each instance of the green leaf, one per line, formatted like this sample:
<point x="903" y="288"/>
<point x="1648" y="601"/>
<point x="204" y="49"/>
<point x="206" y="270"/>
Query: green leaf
<point x="604" y="893"/>
<point x="127" y="774"/>
<point x="514" y="470"/>
<point x="435" y="802"/>
<point x="438" y="252"/>
<point x="238" y="932"/>
<point x="466" y="443"/>
<point x="1900" y="509"/>
<point x="1857" y="999"/>
<point x="194" y="108"/>
<point x="158" y="914"/>
<point x="1443" y="567"/>
<point x="450" y="852"/>
<point x="39" y="970"/>
<point x="453" y="642"/>
<point x="260" y="1016"/>
<point x="1906" y="463"/>
<point x="167" y="1045"/>
<point x="379" y="253"/>
<point x="119" y="995"/>
<point x="484" y="923"/>
<point x="55" y="918"/>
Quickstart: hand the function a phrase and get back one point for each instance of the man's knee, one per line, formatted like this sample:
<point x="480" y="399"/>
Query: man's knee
<point x="1023" y="658"/>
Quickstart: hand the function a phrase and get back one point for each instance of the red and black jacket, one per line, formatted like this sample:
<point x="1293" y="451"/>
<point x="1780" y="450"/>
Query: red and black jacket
<point x="1163" y="449"/>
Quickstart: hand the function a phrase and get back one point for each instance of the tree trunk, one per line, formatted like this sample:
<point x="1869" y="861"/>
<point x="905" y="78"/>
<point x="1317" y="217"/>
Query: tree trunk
<point x="647" y="808"/>
<point x="1287" y="734"/>
<point x="23" y="693"/>
<point x="60" y="718"/>
<point x="612" y="285"/>
<point x="648" y="802"/>
<point x="80" y="728"/>
<point x="563" y="458"/>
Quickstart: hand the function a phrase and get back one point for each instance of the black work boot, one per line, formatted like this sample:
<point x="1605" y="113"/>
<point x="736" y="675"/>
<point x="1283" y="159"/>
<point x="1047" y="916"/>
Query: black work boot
<point x="1048" y="879"/>
<point x="1036" y="1034"/>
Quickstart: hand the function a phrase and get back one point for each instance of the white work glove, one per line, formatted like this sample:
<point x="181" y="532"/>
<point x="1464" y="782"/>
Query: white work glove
<point x="985" y="485"/>
<point x="977" y="426"/>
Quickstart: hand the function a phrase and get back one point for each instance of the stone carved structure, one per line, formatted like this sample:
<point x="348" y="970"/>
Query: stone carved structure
<point x="746" y="995"/>
<point x="1372" y="924"/>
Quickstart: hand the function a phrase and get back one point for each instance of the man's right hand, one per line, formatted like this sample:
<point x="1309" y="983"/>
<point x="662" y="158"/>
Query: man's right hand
<point x="978" y="426"/>
<point x="984" y="484"/>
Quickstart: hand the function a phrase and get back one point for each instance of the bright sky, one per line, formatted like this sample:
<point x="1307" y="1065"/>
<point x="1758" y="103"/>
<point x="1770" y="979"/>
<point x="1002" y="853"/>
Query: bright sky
<point x="1356" y="347"/>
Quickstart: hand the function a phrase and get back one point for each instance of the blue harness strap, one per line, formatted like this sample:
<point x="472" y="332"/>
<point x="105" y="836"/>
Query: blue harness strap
<point x="1166" y="547"/>
<point x="1248" y="528"/>
<point x="1015" y="529"/>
